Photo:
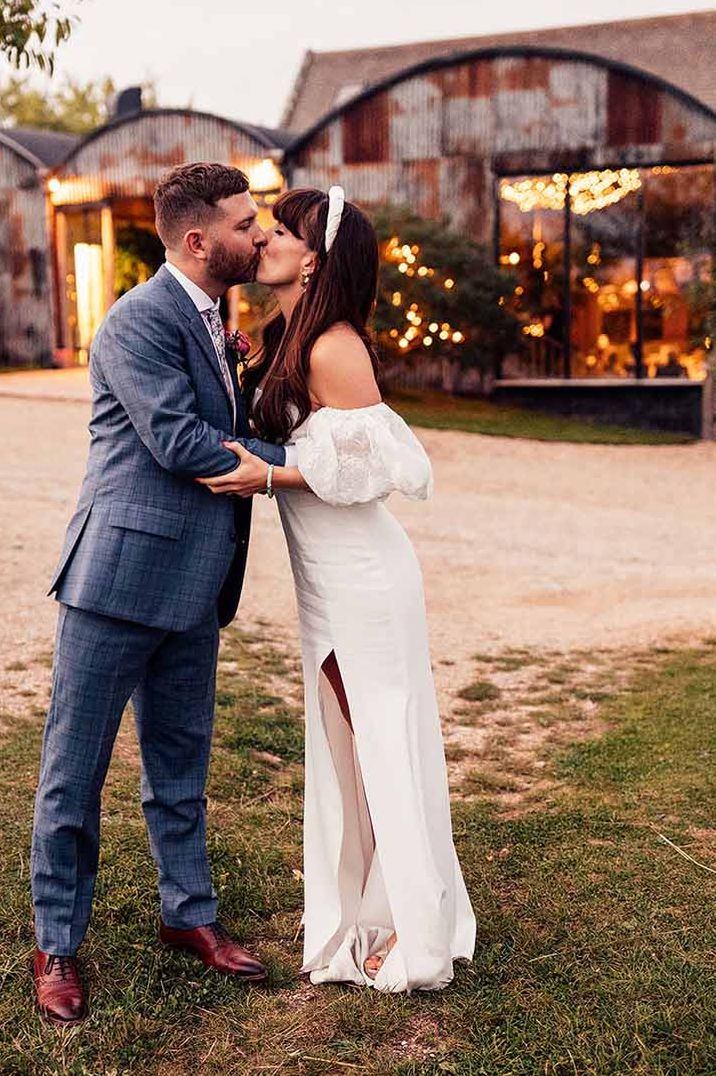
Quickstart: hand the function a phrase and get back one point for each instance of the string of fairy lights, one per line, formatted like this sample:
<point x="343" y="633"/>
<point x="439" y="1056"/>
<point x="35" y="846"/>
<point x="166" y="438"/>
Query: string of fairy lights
<point x="588" y="191"/>
<point x="420" y="329"/>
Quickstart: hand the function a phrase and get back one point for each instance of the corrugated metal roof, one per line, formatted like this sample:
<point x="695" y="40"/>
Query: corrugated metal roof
<point x="677" y="48"/>
<point x="50" y="147"/>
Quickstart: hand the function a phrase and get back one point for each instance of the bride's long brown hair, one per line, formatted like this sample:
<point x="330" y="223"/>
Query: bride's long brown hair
<point x="342" y="288"/>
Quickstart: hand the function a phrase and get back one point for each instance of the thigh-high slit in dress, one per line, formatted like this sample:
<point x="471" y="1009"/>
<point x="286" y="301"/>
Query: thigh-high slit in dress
<point x="379" y="854"/>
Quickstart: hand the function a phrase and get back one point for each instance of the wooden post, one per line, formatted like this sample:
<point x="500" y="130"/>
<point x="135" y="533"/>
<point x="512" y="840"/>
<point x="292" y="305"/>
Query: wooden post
<point x="108" y="254"/>
<point x="61" y="263"/>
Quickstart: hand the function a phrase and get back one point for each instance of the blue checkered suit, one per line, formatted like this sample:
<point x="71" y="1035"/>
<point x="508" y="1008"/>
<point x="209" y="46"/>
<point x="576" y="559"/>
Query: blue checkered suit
<point x="152" y="564"/>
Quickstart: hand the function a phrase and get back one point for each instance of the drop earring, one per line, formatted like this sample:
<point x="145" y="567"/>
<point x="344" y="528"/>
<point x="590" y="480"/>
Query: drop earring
<point x="305" y="277"/>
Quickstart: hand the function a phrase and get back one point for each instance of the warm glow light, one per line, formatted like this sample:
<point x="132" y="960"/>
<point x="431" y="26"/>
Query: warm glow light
<point x="405" y="255"/>
<point x="589" y="191"/>
<point x="264" y="176"/>
<point x="53" y="185"/>
<point x="90" y="290"/>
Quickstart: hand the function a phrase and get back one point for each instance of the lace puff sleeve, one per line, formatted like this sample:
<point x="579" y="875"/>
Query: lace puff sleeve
<point x="355" y="456"/>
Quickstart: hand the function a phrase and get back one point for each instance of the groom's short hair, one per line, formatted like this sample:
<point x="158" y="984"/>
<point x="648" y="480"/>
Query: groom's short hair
<point x="187" y="196"/>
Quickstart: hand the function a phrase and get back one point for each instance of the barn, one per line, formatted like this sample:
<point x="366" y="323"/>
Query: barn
<point x="78" y="225"/>
<point x="590" y="178"/>
<point x="581" y="157"/>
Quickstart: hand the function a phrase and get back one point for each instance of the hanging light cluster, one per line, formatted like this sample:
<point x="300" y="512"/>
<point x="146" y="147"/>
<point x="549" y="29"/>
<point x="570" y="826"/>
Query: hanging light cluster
<point x="420" y="329"/>
<point x="589" y="191"/>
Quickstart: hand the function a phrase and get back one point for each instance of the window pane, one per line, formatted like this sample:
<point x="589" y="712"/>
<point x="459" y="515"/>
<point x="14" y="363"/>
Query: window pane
<point x="605" y="223"/>
<point x="678" y="206"/>
<point x="532" y="246"/>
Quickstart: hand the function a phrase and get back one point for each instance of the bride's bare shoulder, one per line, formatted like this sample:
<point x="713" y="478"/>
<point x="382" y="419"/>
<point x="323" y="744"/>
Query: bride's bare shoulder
<point x="341" y="369"/>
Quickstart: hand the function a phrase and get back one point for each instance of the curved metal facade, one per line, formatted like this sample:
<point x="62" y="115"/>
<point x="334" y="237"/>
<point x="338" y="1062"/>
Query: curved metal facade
<point x="436" y="136"/>
<point x="126" y="159"/>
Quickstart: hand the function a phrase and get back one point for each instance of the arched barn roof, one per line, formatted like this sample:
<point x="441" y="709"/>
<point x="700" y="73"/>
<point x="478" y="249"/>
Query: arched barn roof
<point x="439" y="63"/>
<point x="126" y="157"/>
<point x="263" y="137"/>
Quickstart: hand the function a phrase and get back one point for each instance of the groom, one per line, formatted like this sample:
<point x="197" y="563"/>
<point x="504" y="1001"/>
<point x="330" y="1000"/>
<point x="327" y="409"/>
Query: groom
<point x="152" y="566"/>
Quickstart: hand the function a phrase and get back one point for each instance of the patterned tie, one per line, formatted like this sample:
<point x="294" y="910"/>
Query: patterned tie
<point x="216" y="328"/>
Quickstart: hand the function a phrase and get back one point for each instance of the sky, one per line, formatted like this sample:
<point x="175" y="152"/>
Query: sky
<point x="240" y="60"/>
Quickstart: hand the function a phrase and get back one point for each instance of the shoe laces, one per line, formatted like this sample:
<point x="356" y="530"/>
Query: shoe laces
<point x="65" y="966"/>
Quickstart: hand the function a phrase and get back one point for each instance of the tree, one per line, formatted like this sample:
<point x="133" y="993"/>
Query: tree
<point x="73" y="107"/>
<point x="31" y="31"/>
<point x="441" y="294"/>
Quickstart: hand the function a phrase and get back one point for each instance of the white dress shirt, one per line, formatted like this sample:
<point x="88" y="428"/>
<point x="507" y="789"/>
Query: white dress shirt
<point x="204" y="302"/>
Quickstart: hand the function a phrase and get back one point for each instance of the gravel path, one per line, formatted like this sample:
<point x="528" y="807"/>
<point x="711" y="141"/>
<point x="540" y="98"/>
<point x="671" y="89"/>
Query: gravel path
<point x="524" y="543"/>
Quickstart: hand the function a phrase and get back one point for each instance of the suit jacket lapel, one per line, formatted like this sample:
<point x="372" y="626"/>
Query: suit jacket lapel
<point x="197" y="325"/>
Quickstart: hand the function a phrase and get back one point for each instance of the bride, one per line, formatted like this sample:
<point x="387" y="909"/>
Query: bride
<point x="385" y="901"/>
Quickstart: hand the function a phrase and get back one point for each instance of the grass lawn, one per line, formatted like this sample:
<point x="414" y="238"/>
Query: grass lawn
<point x="439" y="411"/>
<point x="597" y="939"/>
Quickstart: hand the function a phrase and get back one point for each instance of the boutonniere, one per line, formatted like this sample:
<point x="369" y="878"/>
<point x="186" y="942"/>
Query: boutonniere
<point x="238" y="345"/>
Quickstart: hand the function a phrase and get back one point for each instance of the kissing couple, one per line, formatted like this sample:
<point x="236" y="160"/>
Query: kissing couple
<point x="153" y="565"/>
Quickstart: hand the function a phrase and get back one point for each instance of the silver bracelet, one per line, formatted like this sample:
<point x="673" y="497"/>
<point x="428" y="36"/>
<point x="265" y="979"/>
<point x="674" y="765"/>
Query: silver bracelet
<point x="269" y="481"/>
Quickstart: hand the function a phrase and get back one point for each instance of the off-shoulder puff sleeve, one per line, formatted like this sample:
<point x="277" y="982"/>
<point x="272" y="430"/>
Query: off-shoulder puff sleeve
<point x="363" y="454"/>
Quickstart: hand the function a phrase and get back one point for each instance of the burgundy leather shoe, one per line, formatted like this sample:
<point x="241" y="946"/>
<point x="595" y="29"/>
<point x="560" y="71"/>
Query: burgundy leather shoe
<point x="217" y="949"/>
<point x="58" y="989"/>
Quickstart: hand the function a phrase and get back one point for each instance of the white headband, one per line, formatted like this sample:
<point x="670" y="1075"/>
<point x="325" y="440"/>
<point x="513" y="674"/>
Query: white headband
<point x="336" y="201"/>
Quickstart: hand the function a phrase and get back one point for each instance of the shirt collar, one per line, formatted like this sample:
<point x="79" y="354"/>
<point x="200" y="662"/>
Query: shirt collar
<point x="198" y="296"/>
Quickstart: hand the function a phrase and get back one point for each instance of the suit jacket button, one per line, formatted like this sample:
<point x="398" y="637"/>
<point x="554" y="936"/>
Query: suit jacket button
<point x="232" y="536"/>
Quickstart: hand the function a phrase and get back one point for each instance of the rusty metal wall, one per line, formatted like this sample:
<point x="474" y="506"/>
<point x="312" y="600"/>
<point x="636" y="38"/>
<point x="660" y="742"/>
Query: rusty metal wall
<point x="127" y="160"/>
<point x="25" y="279"/>
<point x="435" y="141"/>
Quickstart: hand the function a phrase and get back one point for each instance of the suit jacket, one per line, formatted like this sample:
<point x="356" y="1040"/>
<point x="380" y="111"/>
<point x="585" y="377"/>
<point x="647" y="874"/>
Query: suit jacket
<point x="146" y="543"/>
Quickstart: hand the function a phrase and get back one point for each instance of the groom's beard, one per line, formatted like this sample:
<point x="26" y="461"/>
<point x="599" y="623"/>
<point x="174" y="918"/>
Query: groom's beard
<point x="229" y="268"/>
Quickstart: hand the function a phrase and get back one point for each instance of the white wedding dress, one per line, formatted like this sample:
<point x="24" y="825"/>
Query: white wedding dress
<point x="379" y="854"/>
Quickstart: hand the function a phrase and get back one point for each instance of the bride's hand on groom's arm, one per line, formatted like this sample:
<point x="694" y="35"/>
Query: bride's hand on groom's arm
<point x="251" y="476"/>
<point x="248" y="478"/>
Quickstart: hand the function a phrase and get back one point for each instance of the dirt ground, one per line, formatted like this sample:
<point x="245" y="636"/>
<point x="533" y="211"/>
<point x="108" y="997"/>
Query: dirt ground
<point x="541" y="546"/>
